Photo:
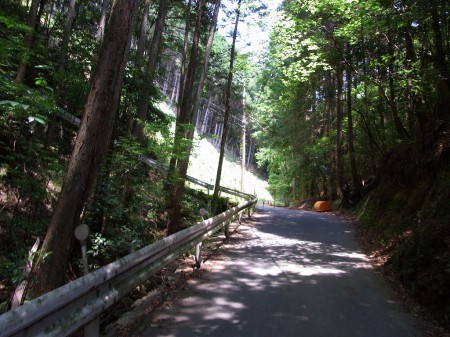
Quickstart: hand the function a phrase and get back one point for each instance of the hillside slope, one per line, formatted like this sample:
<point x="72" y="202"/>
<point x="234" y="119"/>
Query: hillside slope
<point x="204" y="161"/>
<point x="404" y="222"/>
<point x="203" y="166"/>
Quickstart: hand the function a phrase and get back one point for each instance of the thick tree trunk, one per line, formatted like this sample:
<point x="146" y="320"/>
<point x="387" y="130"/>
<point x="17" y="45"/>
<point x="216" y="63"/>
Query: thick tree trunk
<point x="215" y="198"/>
<point x="90" y="148"/>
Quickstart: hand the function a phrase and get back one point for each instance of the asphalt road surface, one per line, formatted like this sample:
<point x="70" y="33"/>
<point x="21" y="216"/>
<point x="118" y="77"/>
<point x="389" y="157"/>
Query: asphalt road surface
<point x="288" y="273"/>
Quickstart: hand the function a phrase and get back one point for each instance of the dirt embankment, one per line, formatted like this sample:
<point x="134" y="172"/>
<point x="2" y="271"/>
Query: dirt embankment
<point x="404" y="223"/>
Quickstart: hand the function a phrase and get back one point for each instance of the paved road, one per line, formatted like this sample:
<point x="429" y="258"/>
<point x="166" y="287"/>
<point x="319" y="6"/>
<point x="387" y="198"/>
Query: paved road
<point x="289" y="273"/>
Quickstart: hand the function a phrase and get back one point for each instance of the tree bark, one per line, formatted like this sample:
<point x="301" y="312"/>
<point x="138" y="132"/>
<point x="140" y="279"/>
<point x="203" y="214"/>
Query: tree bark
<point x="184" y="55"/>
<point x="102" y="22"/>
<point x="215" y="198"/>
<point x="350" y="138"/>
<point x="401" y="131"/>
<point x="66" y="36"/>
<point x="90" y="148"/>
<point x="209" y="44"/>
<point x="443" y="82"/>
<point x="340" y="140"/>
<point x="181" y="83"/>
<point x="28" y="41"/>
<point x="155" y="46"/>
<point x="183" y="137"/>
<point x="244" y="131"/>
<point x="70" y="18"/>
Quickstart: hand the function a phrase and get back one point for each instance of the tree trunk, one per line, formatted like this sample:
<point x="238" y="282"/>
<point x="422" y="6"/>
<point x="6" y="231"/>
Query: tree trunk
<point x="28" y="41"/>
<point x="350" y="139"/>
<point x="143" y="33"/>
<point x="401" y="131"/>
<point x="66" y="37"/>
<point x="155" y="46"/>
<point x="340" y="140"/>
<point x="182" y="131"/>
<point x="215" y="198"/>
<point x="184" y="56"/>
<point x="209" y="44"/>
<point x="102" y="22"/>
<point x="443" y="82"/>
<point x="90" y="148"/>
<point x="244" y="131"/>
<point x="70" y="18"/>
<point x="181" y="84"/>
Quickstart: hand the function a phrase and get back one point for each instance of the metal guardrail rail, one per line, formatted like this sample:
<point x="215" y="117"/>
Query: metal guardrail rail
<point x="79" y="303"/>
<point x="163" y="169"/>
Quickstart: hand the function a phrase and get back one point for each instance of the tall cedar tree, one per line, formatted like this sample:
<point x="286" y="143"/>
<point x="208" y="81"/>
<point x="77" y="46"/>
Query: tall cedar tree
<point x="28" y="40"/>
<point x="227" y="111"/>
<point x="155" y="46"/>
<point x="182" y="127"/>
<point x="90" y="147"/>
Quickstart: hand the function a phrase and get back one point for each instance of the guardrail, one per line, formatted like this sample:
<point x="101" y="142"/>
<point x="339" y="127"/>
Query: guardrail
<point x="163" y="169"/>
<point x="80" y="303"/>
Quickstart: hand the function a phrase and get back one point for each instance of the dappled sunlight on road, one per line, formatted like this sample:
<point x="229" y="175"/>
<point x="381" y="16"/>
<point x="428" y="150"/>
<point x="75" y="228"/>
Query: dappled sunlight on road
<point x="283" y="273"/>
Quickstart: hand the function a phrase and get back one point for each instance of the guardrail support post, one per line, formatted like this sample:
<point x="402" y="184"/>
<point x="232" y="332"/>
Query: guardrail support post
<point x="227" y="229"/>
<point x="198" y="255"/>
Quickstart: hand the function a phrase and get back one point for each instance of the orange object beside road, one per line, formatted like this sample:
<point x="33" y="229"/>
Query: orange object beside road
<point x="322" y="206"/>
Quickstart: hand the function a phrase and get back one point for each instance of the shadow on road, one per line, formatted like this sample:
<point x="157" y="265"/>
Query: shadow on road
<point x="288" y="273"/>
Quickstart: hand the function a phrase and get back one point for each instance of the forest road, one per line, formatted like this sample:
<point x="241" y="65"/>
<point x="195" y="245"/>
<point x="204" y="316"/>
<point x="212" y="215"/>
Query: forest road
<point x="287" y="273"/>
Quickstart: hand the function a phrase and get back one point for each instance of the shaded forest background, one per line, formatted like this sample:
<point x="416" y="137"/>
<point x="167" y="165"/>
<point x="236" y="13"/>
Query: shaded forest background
<point x="350" y="102"/>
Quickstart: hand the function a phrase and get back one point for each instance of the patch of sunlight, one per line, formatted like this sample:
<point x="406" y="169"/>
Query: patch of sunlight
<point x="222" y="309"/>
<point x="203" y="165"/>
<point x="310" y="270"/>
<point x="225" y="302"/>
<point x="289" y="257"/>
<point x="255" y="284"/>
<point x="351" y="255"/>
<point x="266" y="270"/>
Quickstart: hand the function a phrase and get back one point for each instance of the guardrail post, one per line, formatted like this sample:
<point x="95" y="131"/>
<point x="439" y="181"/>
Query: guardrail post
<point x="198" y="255"/>
<point x="82" y="233"/>
<point x="227" y="229"/>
